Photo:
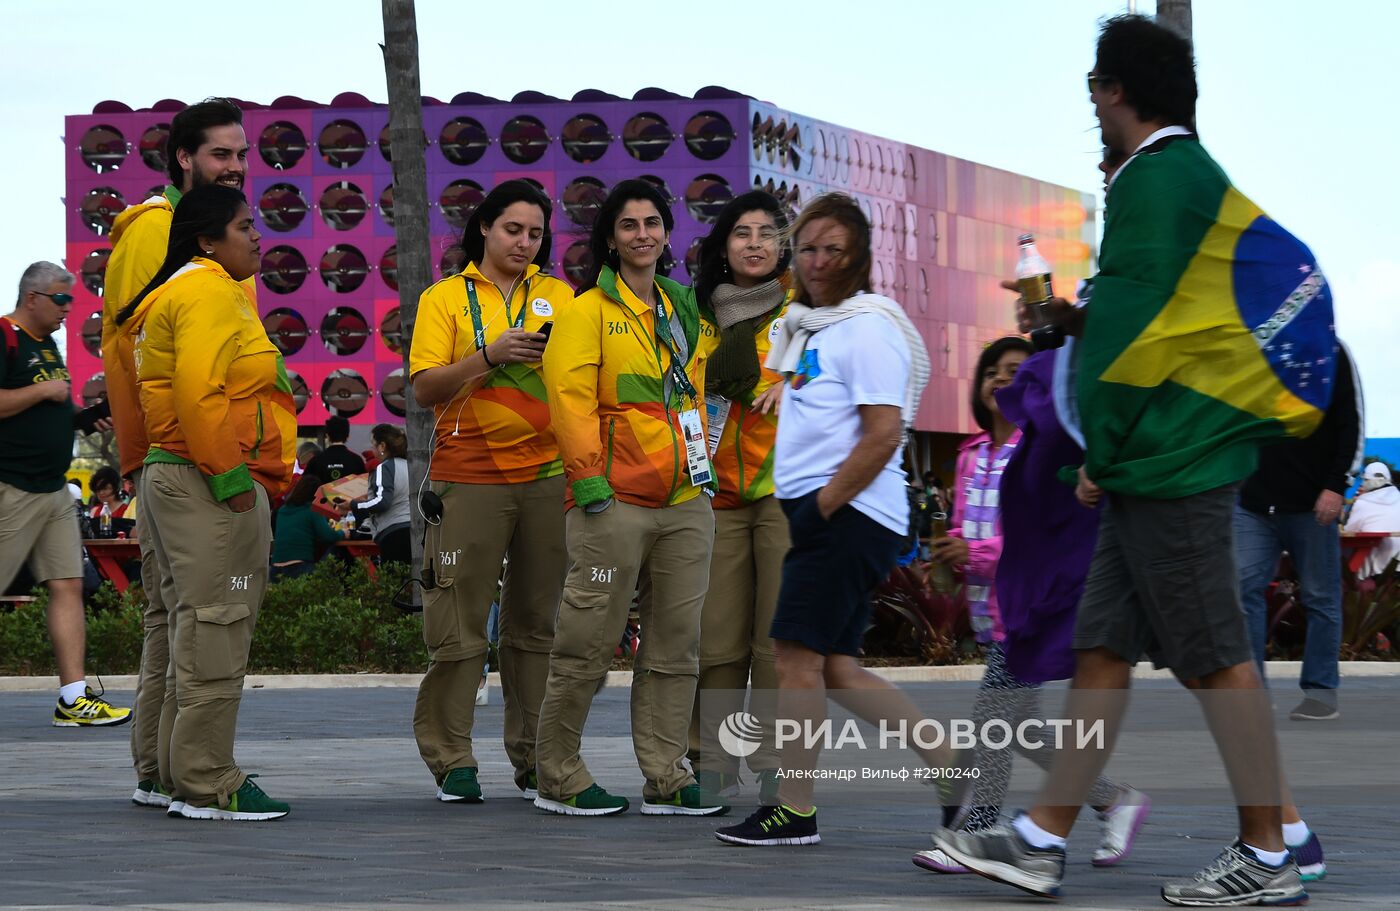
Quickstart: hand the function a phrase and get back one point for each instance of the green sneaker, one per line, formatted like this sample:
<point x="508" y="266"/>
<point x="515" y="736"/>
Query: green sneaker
<point x="768" y="787"/>
<point x="249" y="803"/>
<point x="721" y="784"/>
<point x="529" y="785"/>
<point x="592" y="801"/>
<point x="690" y="800"/>
<point x="460" y="784"/>
<point x="150" y="793"/>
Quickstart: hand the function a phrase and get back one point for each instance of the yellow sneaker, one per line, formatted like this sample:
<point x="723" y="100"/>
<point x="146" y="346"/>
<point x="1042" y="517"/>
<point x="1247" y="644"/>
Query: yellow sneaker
<point x="91" y="710"/>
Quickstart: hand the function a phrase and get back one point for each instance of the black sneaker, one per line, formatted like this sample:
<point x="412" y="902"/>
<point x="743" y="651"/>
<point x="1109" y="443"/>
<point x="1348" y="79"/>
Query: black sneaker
<point x="1237" y="877"/>
<point x="773" y="826"/>
<point x="1313" y="710"/>
<point x="1002" y="854"/>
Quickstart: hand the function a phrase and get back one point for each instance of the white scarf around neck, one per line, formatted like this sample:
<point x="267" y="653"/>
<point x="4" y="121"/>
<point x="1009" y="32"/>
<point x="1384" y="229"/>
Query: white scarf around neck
<point x="803" y="321"/>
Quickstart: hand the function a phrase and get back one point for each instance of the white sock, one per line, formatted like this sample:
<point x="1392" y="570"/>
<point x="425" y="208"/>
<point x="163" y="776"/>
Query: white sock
<point x="1295" y="833"/>
<point x="70" y="692"/>
<point x="1034" y="835"/>
<point x="1272" y="858"/>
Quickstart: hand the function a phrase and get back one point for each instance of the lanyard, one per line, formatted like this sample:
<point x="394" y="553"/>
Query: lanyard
<point x="663" y="332"/>
<point x="474" y="306"/>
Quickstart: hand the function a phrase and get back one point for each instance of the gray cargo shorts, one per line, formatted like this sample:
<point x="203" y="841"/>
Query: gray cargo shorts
<point x="1163" y="582"/>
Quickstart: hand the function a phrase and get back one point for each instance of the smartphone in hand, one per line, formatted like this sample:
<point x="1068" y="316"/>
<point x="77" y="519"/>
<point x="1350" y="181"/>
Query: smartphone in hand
<point x="86" y="420"/>
<point x="547" y="328"/>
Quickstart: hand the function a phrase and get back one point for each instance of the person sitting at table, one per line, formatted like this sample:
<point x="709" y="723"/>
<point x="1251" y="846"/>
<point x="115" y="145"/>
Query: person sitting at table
<point x="106" y="492"/>
<point x="299" y="531"/>
<point x="387" y="498"/>
<point x="1377" y="509"/>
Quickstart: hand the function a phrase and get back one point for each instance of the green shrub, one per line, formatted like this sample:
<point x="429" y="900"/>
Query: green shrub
<point x="335" y="620"/>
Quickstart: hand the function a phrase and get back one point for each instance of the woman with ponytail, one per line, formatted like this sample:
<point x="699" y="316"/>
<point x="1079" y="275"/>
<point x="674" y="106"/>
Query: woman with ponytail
<point x="218" y="415"/>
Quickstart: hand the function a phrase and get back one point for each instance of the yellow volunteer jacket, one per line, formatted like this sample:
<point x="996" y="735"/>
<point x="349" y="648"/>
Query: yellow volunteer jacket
<point x="604" y="371"/>
<point x="140" y="236"/>
<point x="744" y="456"/>
<point x="212" y="388"/>
<point x="495" y="430"/>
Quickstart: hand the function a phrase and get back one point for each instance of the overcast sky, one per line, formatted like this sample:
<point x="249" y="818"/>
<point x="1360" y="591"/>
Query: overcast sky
<point x="1296" y="103"/>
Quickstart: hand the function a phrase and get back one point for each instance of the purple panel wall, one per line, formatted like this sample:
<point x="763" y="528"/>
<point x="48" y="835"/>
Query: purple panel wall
<point x="943" y="228"/>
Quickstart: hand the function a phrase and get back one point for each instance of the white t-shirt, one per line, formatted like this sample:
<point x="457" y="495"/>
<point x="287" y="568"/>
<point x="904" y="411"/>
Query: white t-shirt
<point x="859" y="361"/>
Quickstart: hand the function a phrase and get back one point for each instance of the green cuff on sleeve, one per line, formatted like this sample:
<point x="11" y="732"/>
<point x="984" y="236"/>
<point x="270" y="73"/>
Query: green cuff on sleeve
<point x="231" y="483"/>
<point x="1068" y="474"/>
<point x="588" y="491"/>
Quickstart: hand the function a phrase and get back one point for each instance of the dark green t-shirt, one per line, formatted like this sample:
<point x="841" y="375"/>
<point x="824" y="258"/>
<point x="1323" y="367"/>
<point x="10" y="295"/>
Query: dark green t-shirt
<point x="36" y="445"/>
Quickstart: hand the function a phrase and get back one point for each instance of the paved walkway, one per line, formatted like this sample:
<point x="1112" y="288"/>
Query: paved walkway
<point x="366" y="833"/>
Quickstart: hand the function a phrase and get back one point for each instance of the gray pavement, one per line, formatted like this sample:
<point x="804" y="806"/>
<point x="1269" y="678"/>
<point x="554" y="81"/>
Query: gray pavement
<point x="366" y="833"/>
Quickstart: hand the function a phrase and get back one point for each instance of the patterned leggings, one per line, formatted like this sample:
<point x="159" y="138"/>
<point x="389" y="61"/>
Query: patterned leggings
<point x="1005" y="697"/>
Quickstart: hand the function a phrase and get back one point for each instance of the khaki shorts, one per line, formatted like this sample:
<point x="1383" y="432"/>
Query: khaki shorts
<point x="40" y="529"/>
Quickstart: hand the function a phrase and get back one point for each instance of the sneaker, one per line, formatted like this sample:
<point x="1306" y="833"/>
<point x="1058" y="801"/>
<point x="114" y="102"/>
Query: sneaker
<point x="691" y="800"/>
<point x="91" y="710"/>
<point x="1312" y="865"/>
<point x="720" y="784"/>
<point x="768" y="787"/>
<point x="249" y="803"/>
<point x="773" y="826"/>
<point x="591" y="801"/>
<point x="150" y="793"/>
<point x="1001" y="854"/>
<point x="1237" y="877"/>
<point x="460" y="784"/>
<point x="529" y="785"/>
<point x="937" y="860"/>
<point x="176" y="808"/>
<point x="1313" y="710"/>
<point x="1119" y="825"/>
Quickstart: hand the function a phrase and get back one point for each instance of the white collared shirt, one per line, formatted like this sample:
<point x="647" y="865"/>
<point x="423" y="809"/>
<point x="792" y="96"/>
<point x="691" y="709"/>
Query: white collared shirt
<point x="1163" y="133"/>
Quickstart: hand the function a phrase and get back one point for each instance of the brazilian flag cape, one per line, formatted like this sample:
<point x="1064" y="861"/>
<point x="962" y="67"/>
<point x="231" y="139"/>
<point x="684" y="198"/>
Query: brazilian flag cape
<point x="1210" y="331"/>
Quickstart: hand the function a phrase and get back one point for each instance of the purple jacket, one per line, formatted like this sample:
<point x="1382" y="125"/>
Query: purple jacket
<point x="1047" y="536"/>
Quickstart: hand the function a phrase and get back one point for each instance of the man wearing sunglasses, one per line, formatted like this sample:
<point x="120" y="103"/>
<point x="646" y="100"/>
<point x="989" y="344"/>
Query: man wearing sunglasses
<point x="38" y="525"/>
<point x="207" y="145"/>
<point x="1209" y="334"/>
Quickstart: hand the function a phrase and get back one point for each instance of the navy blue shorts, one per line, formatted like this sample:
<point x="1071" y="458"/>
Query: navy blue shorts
<point x="829" y="575"/>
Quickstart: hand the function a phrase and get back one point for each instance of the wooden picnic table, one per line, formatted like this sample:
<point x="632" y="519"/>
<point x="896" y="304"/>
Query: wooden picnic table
<point x="1357" y="546"/>
<point x="363" y="549"/>
<point x="109" y="556"/>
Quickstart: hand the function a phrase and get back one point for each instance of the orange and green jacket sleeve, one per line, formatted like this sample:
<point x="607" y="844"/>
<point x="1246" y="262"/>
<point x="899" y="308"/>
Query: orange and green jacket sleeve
<point x="571" y="371"/>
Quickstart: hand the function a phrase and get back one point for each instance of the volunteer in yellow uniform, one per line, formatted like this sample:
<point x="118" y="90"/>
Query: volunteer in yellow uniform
<point x="221" y="423"/>
<point x="497" y="485"/>
<point x="626" y="376"/>
<point x="743" y="264"/>
<point x="206" y="146"/>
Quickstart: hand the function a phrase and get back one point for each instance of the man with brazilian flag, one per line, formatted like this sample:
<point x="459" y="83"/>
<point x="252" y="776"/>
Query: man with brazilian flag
<point x="1210" y="333"/>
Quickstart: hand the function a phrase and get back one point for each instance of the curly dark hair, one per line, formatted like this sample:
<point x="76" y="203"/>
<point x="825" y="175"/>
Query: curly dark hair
<point x="1154" y="66"/>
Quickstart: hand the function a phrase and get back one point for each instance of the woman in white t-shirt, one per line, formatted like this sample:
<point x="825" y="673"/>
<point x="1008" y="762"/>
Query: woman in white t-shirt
<point x="856" y="368"/>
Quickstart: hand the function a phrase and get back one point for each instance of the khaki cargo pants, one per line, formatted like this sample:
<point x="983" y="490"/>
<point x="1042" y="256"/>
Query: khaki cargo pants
<point x="215" y="561"/>
<point x="155" y="703"/>
<point x="607" y="552"/>
<point x="481" y="525"/>
<point x="746" y="571"/>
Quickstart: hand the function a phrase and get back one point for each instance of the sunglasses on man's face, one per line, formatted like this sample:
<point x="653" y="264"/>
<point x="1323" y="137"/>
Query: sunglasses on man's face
<point x="1095" y="78"/>
<point x="61" y="298"/>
